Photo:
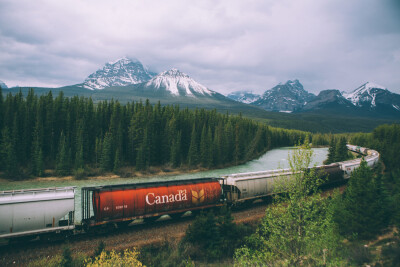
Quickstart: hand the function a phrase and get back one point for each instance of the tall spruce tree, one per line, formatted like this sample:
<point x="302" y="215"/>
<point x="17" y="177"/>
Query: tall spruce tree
<point x="331" y="151"/>
<point x="360" y="211"/>
<point x="106" y="161"/>
<point x="8" y="154"/>
<point x="341" y="153"/>
<point x="63" y="161"/>
<point x="193" y="154"/>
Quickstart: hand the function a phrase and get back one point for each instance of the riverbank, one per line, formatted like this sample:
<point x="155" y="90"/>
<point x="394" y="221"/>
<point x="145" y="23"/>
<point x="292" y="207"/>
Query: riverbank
<point x="127" y="172"/>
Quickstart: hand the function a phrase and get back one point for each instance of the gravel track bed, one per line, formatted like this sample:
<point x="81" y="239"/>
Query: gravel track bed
<point x="135" y="236"/>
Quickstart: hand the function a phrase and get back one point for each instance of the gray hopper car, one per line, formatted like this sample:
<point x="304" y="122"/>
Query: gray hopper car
<point x="27" y="213"/>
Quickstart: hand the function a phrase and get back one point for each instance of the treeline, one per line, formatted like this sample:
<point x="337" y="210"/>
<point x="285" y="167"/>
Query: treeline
<point x="74" y="134"/>
<point x="337" y="150"/>
<point x="386" y="140"/>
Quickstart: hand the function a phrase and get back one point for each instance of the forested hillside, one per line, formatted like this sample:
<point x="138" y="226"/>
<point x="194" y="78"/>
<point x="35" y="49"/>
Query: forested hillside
<point x="74" y="134"/>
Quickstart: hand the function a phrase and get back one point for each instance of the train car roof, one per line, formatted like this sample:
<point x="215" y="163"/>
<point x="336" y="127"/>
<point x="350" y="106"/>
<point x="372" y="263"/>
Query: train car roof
<point x="150" y="184"/>
<point x="37" y="190"/>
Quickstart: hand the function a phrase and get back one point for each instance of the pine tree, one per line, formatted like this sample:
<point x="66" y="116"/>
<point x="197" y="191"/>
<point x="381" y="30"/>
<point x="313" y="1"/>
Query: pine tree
<point x="331" y="151"/>
<point x="176" y="150"/>
<point x="106" y="161"/>
<point x="8" y="154"/>
<point x="62" y="164"/>
<point x="117" y="161"/>
<point x="203" y="146"/>
<point x="341" y="153"/>
<point x="193" y="154"/>
<point x="360" y="211"/>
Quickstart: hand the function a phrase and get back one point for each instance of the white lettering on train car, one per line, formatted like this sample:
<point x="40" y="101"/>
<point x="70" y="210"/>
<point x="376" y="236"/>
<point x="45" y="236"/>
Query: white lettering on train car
<point x="152" y="199"/>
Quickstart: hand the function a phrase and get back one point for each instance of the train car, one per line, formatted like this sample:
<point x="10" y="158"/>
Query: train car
<point x="331" y="174"/>
<point x="127" y="202"/>
<point x="370" y="156"/>
<point x="246" y="187"/>
<point x="32" y="212"/>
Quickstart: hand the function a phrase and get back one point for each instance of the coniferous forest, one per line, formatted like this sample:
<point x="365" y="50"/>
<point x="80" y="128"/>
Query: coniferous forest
<point x="70" y="135"/>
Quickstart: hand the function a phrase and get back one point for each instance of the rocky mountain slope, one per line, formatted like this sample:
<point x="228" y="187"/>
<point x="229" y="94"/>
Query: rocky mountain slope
<point x="371" y="96"/>
<point x="287" y="97"/>
<point x="246" y="97"/>
<point x="121" y="72"/>
<point x="177" y="83"/>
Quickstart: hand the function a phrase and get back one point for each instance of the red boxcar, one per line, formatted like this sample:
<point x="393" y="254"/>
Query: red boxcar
<point x="131" y="201"/>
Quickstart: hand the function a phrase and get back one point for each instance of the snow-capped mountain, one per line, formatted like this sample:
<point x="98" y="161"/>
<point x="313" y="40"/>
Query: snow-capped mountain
<point x="3" y="85"/>
<point x="287" y="97"/>
<point x="372" y="96"/>
<point x="121" y="72"/>
<point x="246" y="97"/>
<point x="177" y="83"/>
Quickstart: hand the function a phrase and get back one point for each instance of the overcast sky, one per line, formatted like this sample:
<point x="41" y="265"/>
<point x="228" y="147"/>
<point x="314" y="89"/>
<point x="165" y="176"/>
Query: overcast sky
<point x="225" y="45"/>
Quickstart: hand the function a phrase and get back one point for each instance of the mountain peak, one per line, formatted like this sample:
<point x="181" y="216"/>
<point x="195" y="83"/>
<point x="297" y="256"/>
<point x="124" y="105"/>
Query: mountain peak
<point x="124" y="60"/>
<point x="121" y="72"/>
<point x="3" y="85"/>
<point x="287" y="97"/>
<point x="364" y="94"/>
<point x="174" y="73"/>
<point x="178" y="84"/>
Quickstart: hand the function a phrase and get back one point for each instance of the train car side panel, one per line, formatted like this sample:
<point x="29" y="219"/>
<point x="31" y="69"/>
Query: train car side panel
<point x="33" y="211"/>
<point x="144" y="201"/>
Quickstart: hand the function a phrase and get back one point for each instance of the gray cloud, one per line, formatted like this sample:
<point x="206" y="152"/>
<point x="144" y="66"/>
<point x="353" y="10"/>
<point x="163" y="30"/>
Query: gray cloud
<point x="225" y="45"/>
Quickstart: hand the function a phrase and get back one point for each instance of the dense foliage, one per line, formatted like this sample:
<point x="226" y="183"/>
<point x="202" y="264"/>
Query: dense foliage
<point x="128" y="258"/>
<point x="361" y="212"/>
<point x="297" y="230"/>
<point x="386" y="140"/>
<point x="337" y="150"/>
<point x="72" y="134"/>
<point x="211" y="237"/>
<point x="214" y="236"/>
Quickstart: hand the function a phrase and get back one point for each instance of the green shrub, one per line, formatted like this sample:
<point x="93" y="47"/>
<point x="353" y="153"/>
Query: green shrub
<point x="80" y="174"/>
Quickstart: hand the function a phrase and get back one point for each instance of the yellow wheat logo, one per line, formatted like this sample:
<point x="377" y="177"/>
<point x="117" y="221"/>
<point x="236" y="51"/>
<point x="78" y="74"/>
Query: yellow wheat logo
<point x="198" y="197"/>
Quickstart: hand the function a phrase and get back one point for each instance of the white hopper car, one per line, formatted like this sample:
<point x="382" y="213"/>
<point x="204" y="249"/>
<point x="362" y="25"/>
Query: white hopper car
<point x="36" y="211"/>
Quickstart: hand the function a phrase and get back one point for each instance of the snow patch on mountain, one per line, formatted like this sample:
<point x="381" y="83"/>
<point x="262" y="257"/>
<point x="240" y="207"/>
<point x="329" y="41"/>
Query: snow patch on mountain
<point x="121" y="72"/>
<point x="246" y="97"/>
<point x="366" y="93"/>
<point x="178" y="84"/>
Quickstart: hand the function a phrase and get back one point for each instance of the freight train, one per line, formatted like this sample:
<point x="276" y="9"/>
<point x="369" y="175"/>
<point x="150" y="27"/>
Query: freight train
<point x="49" y="211"/>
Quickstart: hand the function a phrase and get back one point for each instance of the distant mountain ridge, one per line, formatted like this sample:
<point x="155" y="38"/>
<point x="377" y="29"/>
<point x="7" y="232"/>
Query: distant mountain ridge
<point x="121" y="72"/>
<point x="328" y="99"/>
<point x="246" y="97"/>
<point x="373" y="97"/>
<point x="287" y="97"/>
<point x="369" y="99"/>
<point x="128" y="80"/>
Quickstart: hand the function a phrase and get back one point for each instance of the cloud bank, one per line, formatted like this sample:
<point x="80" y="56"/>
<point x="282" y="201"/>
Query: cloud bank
<point x="225" y="45"/>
